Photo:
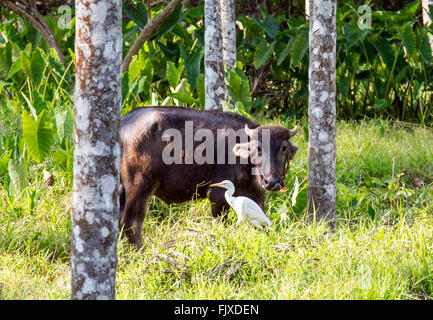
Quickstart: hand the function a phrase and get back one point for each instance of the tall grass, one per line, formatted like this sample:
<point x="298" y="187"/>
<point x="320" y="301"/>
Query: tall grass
<point x="382" y="247"/>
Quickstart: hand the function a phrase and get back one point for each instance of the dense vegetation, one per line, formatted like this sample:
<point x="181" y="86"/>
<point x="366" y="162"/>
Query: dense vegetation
<point x="384" y="159"/>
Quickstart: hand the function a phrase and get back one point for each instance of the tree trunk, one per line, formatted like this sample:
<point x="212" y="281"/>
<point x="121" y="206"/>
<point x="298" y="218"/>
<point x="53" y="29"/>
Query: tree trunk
<point x="322" y="110"/>
<point x="215" y="88"/>
<point x="307" y="8"/>
<point x="95" y="207"/>
<point x="426" y="17"/>
<point x="228" y="23"/>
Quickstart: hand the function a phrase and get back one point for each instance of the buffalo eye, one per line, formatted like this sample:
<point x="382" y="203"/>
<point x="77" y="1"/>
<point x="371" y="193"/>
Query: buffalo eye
<point x="259" y="151"/>
<point x="284" y="148"/>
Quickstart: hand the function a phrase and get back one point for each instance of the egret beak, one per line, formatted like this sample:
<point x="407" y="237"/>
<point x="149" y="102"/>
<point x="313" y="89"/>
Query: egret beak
<point x="216" y="185"/>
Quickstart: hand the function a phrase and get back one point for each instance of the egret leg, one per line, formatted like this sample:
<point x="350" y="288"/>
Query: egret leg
<point x="256" y="224"/>
<point x="219" y="204"/>
<point x="240" y="220"/>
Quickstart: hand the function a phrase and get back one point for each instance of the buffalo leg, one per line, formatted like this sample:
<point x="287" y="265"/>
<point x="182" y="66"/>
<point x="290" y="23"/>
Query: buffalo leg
<point x="219" y="206"/>
<point x="138" y="194"/>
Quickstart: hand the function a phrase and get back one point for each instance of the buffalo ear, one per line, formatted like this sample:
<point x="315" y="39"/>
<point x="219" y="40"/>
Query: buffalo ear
<point x="243" y="150"/>
<point x="293" y="150"/>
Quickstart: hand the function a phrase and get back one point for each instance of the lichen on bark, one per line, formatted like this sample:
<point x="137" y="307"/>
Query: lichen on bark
<point x="228" y="23"/>
<point x="215" y="88"/>
<point x="95" y="209"/>
<point x="321" y="110"/>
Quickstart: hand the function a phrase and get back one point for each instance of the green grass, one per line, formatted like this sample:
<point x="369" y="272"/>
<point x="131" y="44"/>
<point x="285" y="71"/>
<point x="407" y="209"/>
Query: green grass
<point x="382" y="247"/>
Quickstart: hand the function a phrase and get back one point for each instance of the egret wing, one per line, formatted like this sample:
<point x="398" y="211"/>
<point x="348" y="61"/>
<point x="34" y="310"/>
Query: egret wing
<point x="252" y="210"/>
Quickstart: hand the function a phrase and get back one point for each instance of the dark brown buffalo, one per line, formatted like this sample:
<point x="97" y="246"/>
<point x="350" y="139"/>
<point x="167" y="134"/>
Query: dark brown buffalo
<point x="144" y="173"/>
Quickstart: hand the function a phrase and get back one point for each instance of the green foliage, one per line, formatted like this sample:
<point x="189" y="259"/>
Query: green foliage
<point x="192" y="65"/>
<point x="262" y="53"/>
<point x="299" y="48"/>
<point x="37" y="135"/>
<point x="239" y="89"/>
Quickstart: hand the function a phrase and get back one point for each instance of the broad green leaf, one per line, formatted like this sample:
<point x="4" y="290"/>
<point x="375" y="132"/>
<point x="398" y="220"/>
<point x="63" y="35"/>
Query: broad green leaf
<point x="18" y="176"/>
<point x="61" y="158"/>
<point x="159" y="66"/>
<point x="343" y="86"/>
<point x="239" y="89"/>
<point x="192" y="65"/>
<point x="183" y="97"/>
<point x="16" y="66"/>
<point x="30" y="105"/>
<point x="37" y="66"/>
<point x="425" y="50"/>
<point x="5" y="60"/>
<point x="170" y="49"/>
<point x="240" y="108"/>
<point x="68" y="125"/>
<point x="134" y="70"/>
<point x="401" y="75"/>
<point x="56" y="65"/>
<point x="269" y="25"/>
<point x="173" y="19"/>
<point x="64" y="123"/>
<point x="173" y="74"/>
<point x="145" y="82"/>
<point x="37" y="135"/>
<point x="299" y="48"/>
<point x="26" y="64"/>
<point x="408" y="38"/>
<point x="262" y="53"/>
<point x="4" y="160"/>
<point x="138" y="14"/>
<point x="39" y="103"/>
<point x="284" y="53"/>
<point x="418" y="88"/>
<point x="386" y="52"/>
<point x="380" y="104"/>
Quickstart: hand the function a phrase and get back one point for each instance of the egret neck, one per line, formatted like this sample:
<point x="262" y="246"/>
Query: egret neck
<point x="229" y="195"/>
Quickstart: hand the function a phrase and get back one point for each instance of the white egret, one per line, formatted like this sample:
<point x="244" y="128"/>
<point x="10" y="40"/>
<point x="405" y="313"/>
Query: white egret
<point x="245" y="208"/>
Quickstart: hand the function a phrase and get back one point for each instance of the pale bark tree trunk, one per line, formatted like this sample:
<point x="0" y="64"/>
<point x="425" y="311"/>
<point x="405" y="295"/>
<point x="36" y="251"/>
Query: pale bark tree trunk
<point x="426" y="4"/>
<point x="307" y="8"/>
<point x="95" y="206"/>
<point x="228" y="23"/>
<point x="322" y="110"/>
<point x="215" y="88"/>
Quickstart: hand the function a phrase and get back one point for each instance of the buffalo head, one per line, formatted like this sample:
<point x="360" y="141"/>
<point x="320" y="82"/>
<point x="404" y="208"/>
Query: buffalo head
<point x="270" y="150"/>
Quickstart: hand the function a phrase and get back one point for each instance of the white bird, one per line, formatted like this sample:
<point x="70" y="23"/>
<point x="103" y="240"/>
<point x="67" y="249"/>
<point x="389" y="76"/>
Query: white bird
<point x="245" y="208"/>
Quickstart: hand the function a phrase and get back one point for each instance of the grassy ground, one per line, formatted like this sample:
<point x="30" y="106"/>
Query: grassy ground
<point x="382" y="247"/>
